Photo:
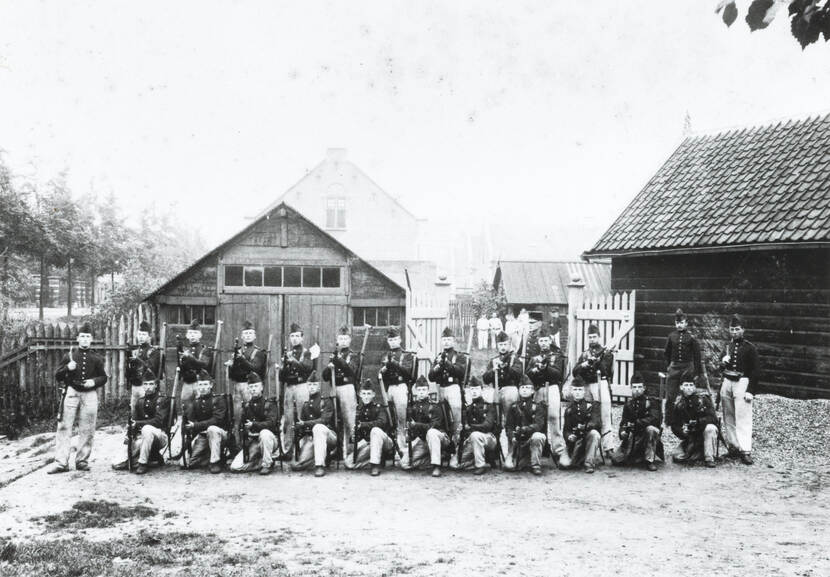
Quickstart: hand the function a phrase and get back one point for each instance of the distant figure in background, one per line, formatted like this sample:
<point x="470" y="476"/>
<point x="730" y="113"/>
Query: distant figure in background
<point x="513" y="330"/>
<point x="740" y="368"/>
<point x="483" y="328"/>
<point x="555" y="327"/>
<point x="495" y="328"/>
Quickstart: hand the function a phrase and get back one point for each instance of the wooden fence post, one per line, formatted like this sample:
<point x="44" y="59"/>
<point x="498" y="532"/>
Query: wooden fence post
<point x="576" y="289"/>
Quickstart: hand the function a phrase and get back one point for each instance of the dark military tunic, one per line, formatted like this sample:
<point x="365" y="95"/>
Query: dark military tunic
<point x="510" y="372"/>
<point x="399" y="366"/>
<point x="682" y="348"/>
<point x="743" y="362"/>
<point x="251" y="359"/>
<point x="638" y="414"/>
<point x="297" y="366"/>
<point x="582" y="413"/>
<point x="481" y="416"/>
<point x="449" y="368"/>
<point x="369" y="416"/>
<point x="525" y="418"/>
<point x="547" y="368"/>
<point x="200" y="357"/>
<point x="207" y="411"/>
<point x="425" y="415"/>
<point x="316" y="410"/>
<point x="599" y="359"/>
<point x="88" y="365"/>
<point x="153" y="410"/>
<point x="697" y="411"/>
<point x="146" y="356"/>
<point x="262" y="413"/>
<point x="346" y="364"/>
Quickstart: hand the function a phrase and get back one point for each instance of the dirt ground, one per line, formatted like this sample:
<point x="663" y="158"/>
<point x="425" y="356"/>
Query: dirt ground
<point x="734" y="520"/>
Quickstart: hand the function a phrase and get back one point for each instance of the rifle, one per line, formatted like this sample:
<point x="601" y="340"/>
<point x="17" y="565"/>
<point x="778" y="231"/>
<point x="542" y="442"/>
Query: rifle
<point x="359" y="372"/>
<point x="130" y="442"/>
<point x="171" y="415"/>
<point x="611" y="413"/>
<point x="227" y="396"/>
<point x="163" y="353"/>
<point x="187" y="438"/>
<point x="63" y="389"/>
<point x="464" y="382"/>
<point x="216" y="350"/>
<point x="354" y="433"/>
<point x="393" y="424"/>
<point x="296" y="433"/>
<point x="243" y="433"/>
<point x="277" y="404"/>
<point x="497" y="401"/>
<point x="338" y="453"/>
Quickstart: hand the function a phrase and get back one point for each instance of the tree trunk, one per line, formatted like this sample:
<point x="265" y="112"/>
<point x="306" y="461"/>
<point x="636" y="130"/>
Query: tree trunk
<point x="69" y="288"/>
<point x="42" y="291"/>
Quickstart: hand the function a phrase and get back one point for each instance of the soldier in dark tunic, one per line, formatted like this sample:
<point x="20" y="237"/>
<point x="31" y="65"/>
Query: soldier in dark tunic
<point x="258" y="417"/>
<point x="526" y="422"/>
<point x="695" y="425"/>
<point x="547" y="372"/>
<point x="193" y="357"/>
<point x="448" y="372"/>
<point x="207" y="425"/>
<point x="479" y="432"/>
<point x="427" y="426"/>
<point x="741" y="369"/>
<point x="397" y="372"/>
<point x="639" y="428"/>
<point x="150" y="422"/>
<point x="344" y="365"/>
<point x="682" y="360"/>
<point x="296" y="366"/>
<point x="581" y="430"/>
<point x="144" y="356"/>
<point x="595" y="366"/>
<point x="372" y="431"/>
<point x="314" y="431"/>
<point x="247" y="358"/>
<point x="509" y="367"/>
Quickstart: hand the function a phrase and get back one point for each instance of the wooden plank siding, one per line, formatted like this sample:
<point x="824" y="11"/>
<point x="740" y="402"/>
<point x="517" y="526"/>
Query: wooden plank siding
<point x="783" y="296"/>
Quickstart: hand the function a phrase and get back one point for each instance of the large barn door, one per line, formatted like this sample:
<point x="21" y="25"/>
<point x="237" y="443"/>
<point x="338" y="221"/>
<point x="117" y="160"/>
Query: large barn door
<point x="329" y="318"/>
<point x="264" y="311"/>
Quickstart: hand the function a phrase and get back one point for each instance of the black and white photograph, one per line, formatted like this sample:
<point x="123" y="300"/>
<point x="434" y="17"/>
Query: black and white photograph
<point x="399" y="287"/>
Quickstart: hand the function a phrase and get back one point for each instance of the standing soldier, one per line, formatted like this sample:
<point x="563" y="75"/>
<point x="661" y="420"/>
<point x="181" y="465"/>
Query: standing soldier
<point x="314" y="431"/>
<point x="581" y="430"/>
<point x="246" y="359"/>
<point x="149" y="425"/>
<point x="639" y="428"/>
<point x="206" y="422"/>
<point x="427" y="428"/>
<point x="145" y="356"/>
<point x="547" y="372"/>
<point x="397" y="373"/>
<point x="495" y="329"/>
<point x="295" y="369"/>
<point x="741" y="368"/>
<point x="344" y="364"/>
<point x="259" y="421"/>
<point x="448" y="372"/>
<point x="509" y="369"/>
<point x="482" y="327"/>
<point x="193" y="357"/>
<point x="82" y="373"/>
<point x="479" y="433"/>
<point x="682" y="359"/>
<point x="526" y="421"/>
<point x="598" y="359"/>
<point x="694" y="425"/>
<point x="372" y="430"/>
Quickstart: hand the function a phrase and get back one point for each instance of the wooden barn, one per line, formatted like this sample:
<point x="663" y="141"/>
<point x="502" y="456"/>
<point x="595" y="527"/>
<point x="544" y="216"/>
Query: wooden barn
<point x="737" y="222"/>
<point x="280" y="269"/>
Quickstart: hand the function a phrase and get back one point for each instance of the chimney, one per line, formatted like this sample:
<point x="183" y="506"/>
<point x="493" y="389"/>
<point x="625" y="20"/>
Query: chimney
<point x="336" y="154"/>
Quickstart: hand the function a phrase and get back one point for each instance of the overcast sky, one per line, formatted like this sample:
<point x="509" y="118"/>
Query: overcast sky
<point x="549" y="114"/>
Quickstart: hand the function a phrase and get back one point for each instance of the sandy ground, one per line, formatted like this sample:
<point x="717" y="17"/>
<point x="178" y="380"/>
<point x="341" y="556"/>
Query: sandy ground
<point x="734" y="520"/>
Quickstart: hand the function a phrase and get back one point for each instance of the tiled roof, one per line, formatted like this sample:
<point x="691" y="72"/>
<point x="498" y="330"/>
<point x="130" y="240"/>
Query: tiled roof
<point x="540" y="282"/>
<point x="759" y="185"/>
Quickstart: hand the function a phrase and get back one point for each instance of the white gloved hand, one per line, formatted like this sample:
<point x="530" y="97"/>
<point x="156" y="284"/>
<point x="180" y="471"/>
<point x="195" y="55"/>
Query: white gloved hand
<point x="314" y="350"/>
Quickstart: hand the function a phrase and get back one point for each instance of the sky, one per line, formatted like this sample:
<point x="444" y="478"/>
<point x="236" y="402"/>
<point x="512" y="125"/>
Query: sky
<point x="543" y="118"/>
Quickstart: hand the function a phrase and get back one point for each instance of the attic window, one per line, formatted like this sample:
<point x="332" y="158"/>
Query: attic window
<point x="336" y="213"/>
<point x="251" y="276"/>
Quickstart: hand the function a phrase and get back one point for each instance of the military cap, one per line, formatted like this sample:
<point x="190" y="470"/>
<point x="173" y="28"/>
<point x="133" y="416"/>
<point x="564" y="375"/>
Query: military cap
<point x="148" y="375"/>
<point x="312" y="378"/>
<point x="679" y="315"/>
<point x="85" y="328"/>
<point x="253" y="378"/>
<point x="144" y="326"/>
<point x="577" y="382"/>
<point x="247" y="326"/>
<point x="501" y="337"/>
<point x="421" y="382"/>
<point x="295" y="328"/>
<point x="543" y="333"/>
<point x="447" y="332"/>
<point x="736" y="321"/>
<point x="366" y="385"/>
<point x="194" y="325"/>
<point x="474" y="382"/>
<point x="525" y="381"/>
<point x="392" y="333"/>
<point x="344" y="330"/>
<point x="593" y="329"/>
<point x="189" y="377"/>
<point x="637" y="378"/>
<point x="203" y="375"/>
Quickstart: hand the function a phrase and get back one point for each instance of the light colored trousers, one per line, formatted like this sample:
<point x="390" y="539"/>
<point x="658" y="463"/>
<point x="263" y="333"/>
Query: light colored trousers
<point x="348" y="406"/>
<point x="710" y="441"/>
<point x="295" y="396"/>
<point x="508" y="397"/>
<point x="371" y="453"/>
<point x="652" y="435"/>
<point x="599" y="392"/>
<point x="482" y="339"/>
<point x="737" y="414"/>
<point x="551" y="396"/>
<point x="531" y="454"/>
<point x="136" y="394"/>
<point x="207" y="445"/>
<point x="240" y="395"/>
<point x="584" y="451"/>
<point x="262" y="447"/>
<point x="430" y="451"/>
<point x="475" y="450"/>
<point x="82" y="407"/>
<point x="398" y="397"/>
<point x="314" y="448"/>
<point x="150" y="438"/>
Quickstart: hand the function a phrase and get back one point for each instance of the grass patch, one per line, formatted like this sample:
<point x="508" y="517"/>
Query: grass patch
<point x="93" y="515"/>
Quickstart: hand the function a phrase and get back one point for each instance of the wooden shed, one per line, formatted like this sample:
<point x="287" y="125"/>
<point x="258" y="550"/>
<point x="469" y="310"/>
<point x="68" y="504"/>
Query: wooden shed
<point x="280" y="269"/>
<point x="737" y="222"/>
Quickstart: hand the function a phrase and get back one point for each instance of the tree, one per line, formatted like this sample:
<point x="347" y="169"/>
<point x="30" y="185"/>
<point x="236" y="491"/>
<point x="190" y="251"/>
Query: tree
<point x="487" y="301"/>
<point x="110" y="237"/>
<point x="809" y="19"/>
<point x="16" y="232"/>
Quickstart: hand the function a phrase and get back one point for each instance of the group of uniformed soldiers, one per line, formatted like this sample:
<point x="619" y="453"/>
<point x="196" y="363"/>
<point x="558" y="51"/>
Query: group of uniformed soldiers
<point x="447" y="416"/>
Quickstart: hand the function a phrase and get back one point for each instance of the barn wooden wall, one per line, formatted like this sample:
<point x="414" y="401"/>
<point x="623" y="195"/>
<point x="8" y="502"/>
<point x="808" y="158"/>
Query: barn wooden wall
<point x="783" y="296"/>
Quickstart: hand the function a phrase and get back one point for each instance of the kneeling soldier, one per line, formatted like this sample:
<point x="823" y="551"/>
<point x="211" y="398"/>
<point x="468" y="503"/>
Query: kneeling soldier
<point x="314" y="431"/>
<point x="583" y="421"/>
<point x="639" y="428"/>
<point x="149" y="424"/>
<point x="206" y="417"/>
<point x="427" y="428"/>
<point x="694" y="424"/>
<point x="259" y="424"/>
<point x="371" y="431"/>
<point x="478" y="435"/>
<point x="525" y="422"/>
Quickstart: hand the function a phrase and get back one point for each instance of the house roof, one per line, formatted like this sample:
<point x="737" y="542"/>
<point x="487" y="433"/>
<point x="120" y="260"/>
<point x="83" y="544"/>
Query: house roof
<point x="757" y="186"/>
<point x="546" y="282"/>
<point x="236" y="237"/>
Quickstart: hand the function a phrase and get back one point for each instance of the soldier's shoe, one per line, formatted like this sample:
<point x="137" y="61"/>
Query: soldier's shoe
<point x="140" y="469"/>
<point x="58" y="469"/>
<point x="710" y="463"/>
<point x="265" y="471"/>
<point x="682" y="458"/>
<point x="651" y="466"/>
<point x="436" y="471"/>
<point x="283" y="457"/>
<point x="215" y="468"/>
<point x="746" y="459"/>
<point x="82" y="466"/>
<point x="122" y="466"/>
<point x="480" y="470"/>
<point x="536" y="470"/>
<point x="319" y="471"/>
<point x="588" y="469"/>
<point x="375" y="471"/>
